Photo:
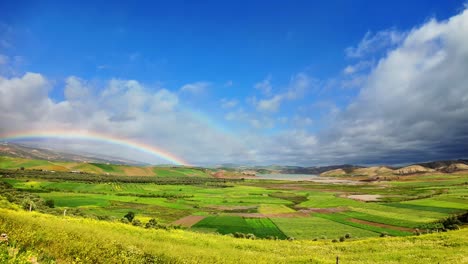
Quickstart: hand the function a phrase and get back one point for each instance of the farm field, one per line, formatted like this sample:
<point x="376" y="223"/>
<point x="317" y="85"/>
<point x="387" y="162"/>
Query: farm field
<point x="265" y="208"/>
<point x="51" y="239"/>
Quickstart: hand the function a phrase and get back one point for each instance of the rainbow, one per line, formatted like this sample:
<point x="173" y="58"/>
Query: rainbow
<point x="95" y="136"/>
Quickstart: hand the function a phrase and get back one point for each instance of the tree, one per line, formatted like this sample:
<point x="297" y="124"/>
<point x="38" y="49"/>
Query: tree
<point x="130" y="216"/>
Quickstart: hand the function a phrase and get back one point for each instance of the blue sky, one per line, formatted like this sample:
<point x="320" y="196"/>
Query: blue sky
<point x="255" y="72"/>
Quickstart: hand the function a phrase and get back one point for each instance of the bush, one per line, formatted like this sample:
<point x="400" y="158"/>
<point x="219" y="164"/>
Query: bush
<point x="28" y="204"/>
<point x="347" y="235"/>
<point x="342" y="239"/>
<point x="137" y="222"/>
<point x="383" y="234"/>
<point x="152" y="223"/>
<point x="334" y="240"/>
<point x="251" y="236"/>
<point x="452" y="223"/>
<point x="239" y="235"/>
<point x="50" y="203"/>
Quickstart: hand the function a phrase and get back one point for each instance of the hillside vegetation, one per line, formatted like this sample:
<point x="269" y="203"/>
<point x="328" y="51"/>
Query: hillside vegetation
<point x="73" y="240"/>
<point x="7" y="162"/>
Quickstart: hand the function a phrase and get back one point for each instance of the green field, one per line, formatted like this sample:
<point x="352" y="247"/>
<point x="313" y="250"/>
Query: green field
<point x="258" y="209"/>
<point x="52" y="239"/>
<point x="260" y="227"/>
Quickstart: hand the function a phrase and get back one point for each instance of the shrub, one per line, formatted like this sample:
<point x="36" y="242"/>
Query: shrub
<point x="137" y="222"/>
<point x="334" y="240"/>
<point x="347" y="235"/>
<point x="28" y="204"/>
<point x="251" y="236"/>
<point x="130" y="216"/>
<point x="239" y="235"/>
<point x="383" y="234"/>
<point x="342" y="239"/>
<point x="452" y="223"/>
<point x="152" y="223"/>
<point x="50" y="203"/>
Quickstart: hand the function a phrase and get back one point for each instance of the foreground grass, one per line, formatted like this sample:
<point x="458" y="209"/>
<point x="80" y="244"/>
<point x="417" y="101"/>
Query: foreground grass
<point x="77" y="240"/>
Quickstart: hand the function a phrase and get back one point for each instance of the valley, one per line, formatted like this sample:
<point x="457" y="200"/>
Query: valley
<point x="297" y="209"/>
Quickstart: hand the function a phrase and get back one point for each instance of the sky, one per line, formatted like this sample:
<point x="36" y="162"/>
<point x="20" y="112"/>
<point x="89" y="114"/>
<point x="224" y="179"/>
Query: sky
<point x="305" y="83"/>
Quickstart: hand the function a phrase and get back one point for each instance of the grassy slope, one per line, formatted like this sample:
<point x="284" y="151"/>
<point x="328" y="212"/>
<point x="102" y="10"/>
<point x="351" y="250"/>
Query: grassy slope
<point x="97" y="168"/>
<point x="90" y="241"/>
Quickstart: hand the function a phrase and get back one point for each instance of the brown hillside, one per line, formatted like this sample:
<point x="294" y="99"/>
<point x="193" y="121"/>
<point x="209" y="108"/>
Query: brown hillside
<point x="413" y="169"/>
<point x="336" y="172"/>
<point x="455" y="167"/>
<point x="373" y="171"/>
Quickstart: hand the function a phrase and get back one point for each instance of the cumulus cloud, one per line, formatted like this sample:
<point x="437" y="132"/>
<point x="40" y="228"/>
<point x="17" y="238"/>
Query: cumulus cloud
<point x="415" y="102"/>
<point x="124" y="108"/>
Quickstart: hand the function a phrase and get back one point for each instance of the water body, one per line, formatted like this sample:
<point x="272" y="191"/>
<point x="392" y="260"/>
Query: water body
<point x="288" y="177"/>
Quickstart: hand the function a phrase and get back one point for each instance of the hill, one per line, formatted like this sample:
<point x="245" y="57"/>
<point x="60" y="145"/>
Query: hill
<point x="32" y="152"/>
<point x="48" y="239"/>
<point x="7" y="162"/>
<point x="386" y="171"/>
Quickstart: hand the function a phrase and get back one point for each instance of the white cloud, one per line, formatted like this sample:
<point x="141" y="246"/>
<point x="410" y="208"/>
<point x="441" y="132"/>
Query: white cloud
<point x="123" y="108"/>
<point x="297" y="87"/>
<point x="270" y="105"/>
<point x="415" y="101"/>
<point x="372" y="43"/>
<point x="75" y="89"/>
<point x="264" y="86"/>
<point x="195" y="88"/>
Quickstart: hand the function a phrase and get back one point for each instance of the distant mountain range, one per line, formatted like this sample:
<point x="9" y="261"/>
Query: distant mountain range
<point x="37" y="153"/>
<point x="32" y="152"/>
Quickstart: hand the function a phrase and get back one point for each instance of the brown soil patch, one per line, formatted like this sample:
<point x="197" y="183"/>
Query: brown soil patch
<point x="189" y="221"/>
<point x="365" y="197"/>
<point x="399" y="228"/>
